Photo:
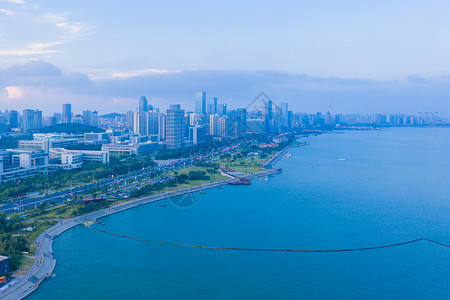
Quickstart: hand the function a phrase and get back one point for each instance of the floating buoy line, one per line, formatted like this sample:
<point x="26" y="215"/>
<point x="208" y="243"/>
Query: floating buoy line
<point x="270" y="249"/>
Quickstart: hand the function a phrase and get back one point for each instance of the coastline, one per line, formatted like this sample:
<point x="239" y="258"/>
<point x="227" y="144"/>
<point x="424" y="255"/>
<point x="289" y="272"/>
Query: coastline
<point x="44" y="262"/>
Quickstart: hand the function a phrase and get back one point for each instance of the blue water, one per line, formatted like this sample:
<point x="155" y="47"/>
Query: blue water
<point x="393" y="187"/>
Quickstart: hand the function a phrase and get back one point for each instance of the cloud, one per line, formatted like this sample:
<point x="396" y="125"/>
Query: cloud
<point x="57" y="31"/>
<point x="111" y="74"/>
<point x="32" y="49"/>
<point x="15" y="1"/>
<point x="42" y="85"/>
<point x="14" y="92"/>
<point x="54" y="17"/>
<point x="6" y="11"/>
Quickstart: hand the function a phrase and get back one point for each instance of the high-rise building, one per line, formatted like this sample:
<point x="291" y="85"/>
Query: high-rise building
<point x="67" y="113"/>
<point x="87" y="117"/>
<point x="143" y="104"/>
<point x="130" y="120"/>
<point x="174" y="127"/>
<point x="94" y="118"/>
<point x="200" y="104"/>
<point x="214" y="125"/>
<point x="140" y="123"/>
<point x="162" y="126"/>
<point x="197" y="134"/>
<point x="327" y="118"/>
<point x="224" y="124"/>
<point x="212" y="106"/>
<point x="152" y="123"/>
<point x="52" y="121"/>
<point x="241" y="121"/>
<point x="222" y="109"/>
<point x="194" y="119"/>
<point x="13" y="119"/>
<point x="28" y="119"/>
<point x="284" y="114"/>
<point x="37" y="119"/>
<point x="58" y="117"/>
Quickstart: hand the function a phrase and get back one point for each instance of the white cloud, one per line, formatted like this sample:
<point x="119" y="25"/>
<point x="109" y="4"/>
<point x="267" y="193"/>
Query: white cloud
<point x="123" y="74"/>
<point x="14" y="92"/>
<point x="54" y="26"/>
<point x="15" y="1"/>
<point x="6" y="11"/>
<point x="32" y="49"/>
<point x="72" y="28"/>
<point x="54" y="18"/>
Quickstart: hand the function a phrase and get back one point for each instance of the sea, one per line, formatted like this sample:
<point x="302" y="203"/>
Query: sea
<point x="349" y="189"/>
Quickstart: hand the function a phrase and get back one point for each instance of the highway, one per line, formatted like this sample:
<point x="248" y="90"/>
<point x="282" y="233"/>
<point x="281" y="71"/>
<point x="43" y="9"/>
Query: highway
<point x="12" y="205"/>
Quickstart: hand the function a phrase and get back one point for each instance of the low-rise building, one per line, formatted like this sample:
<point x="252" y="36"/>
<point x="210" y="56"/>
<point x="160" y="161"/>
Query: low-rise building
<point x="15" y="164"/>
<point x="4" y="265"/>
<point x="142" y="148"/>
<point x="72" y="159"/>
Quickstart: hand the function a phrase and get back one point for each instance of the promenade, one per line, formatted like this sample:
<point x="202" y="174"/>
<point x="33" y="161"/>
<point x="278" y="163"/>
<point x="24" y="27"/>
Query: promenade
<point x="44" y="262"/>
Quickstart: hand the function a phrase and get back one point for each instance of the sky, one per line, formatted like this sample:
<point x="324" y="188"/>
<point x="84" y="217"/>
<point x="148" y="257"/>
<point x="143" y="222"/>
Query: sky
<point x="343" y="56"/>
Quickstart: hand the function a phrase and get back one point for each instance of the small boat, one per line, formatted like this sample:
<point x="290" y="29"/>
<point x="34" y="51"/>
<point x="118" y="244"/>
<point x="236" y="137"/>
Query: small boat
<point x="162" y="205"/>
<point x="189" y="195"/>
<point x="342" y="159"/>
<point x="288" y="155"/>
<point x="220" y="187"/>
<point x="202" y="193"/>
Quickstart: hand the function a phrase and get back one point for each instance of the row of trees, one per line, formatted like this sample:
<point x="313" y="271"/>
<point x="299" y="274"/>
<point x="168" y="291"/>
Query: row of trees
<point x="118" y="165"/>
<point x="12" y="246"/>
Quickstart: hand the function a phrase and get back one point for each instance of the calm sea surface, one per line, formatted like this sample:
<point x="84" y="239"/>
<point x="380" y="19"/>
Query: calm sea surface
<point x="392" y="187"/>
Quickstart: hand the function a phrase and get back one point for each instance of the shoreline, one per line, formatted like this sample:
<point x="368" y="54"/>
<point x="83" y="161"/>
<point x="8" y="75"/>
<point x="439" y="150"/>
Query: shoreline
<point x="44" y="262"/>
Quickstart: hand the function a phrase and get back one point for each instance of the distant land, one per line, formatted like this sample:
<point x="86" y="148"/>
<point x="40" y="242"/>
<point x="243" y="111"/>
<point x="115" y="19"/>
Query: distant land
<point x="69" y="128"/>
<point x="110" y="116"/>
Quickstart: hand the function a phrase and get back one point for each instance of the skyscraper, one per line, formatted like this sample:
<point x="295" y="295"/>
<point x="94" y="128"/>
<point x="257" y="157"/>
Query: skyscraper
<point x="222" y="109"/>
<point x="87" y="117"/>
<point x="174" y="127"/>
<point x="162" y="126"/>
<point x="214" y="125"/>
<point x="37" y="119"/>
<point x="197" y="134"/>
<point x="212" y="106"/>
<point x="152" y="123"/>
<point x="130" y="120"/>
<point x="94" y="118"/>
<point x="143" y="104"/>
<point x="140" y="123"/>
<point x="67" y="113"/>
<point x="224" y="123"/>
<point x="13" y="119"/>
<point x="200" y="104"/>
<point x="28" y="119"/>
<point x="241" y="121"/>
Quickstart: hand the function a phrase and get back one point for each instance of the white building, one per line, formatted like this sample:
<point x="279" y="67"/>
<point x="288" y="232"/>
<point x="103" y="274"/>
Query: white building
<point x="15" y="164"/>
<point x="143" y="148"/>
<point x="72" y="159"/>
<point x="214" y="125"/>
<point x="223" y="124"/>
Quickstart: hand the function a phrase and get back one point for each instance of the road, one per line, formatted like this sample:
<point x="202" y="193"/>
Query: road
<point x="10" y="206"/>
